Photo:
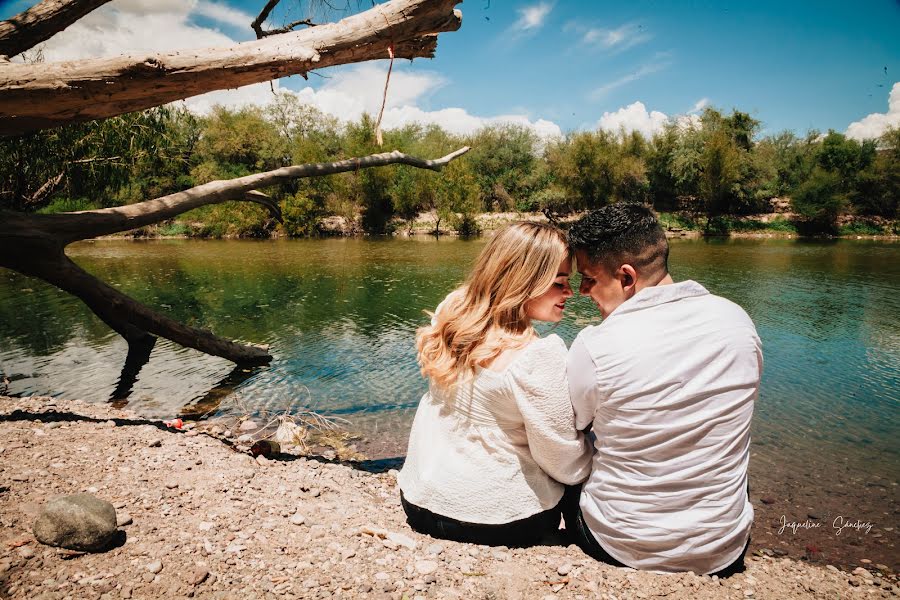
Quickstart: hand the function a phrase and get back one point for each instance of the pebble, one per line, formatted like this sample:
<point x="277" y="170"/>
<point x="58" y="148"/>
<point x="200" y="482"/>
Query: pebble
<point x="434" y="549"/>
<point x="263" y="461"/>
<point x="426" y="567"/>
<point x="155" y="566"/>
<point x="155" y="443"/>
<point x="248" y="425"/>
<point x="123" y="519"/>
<point x="26" y="552"/>
<point x="767" y="500"/>
<point x="403" y="540"/>
<point x="198" y="576"/>
<point x="564" y="569"/>
<point x="298" y="519"/>
<point x="171" y="484"/>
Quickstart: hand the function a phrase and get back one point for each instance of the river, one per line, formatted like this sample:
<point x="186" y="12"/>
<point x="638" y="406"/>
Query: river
<point x="340" y="314"/>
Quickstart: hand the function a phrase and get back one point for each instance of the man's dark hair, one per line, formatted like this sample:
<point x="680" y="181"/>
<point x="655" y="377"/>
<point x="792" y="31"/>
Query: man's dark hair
<point x="622" y="233"/>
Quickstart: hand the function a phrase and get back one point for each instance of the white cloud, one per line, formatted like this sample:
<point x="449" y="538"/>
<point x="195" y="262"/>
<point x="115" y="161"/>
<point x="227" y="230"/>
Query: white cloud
<point x="532" y="17"/>
<point x="601" y="91"/>
<point x="618" y="39"/>
<point x="359" y="89"/>
<point x="874" y="125"/>
<point x="634" y="117"/>
<point x="698" y="106"/>
<point x="137" y="26"/>
<point x="224" y="14"/>
<point x="131" y="27"/>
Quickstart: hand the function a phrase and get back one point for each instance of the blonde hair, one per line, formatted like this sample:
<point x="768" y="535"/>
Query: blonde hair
<point x="486" y="315"/>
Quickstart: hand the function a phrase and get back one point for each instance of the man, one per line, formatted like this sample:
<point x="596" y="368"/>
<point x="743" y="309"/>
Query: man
<point x="668" y="379"/>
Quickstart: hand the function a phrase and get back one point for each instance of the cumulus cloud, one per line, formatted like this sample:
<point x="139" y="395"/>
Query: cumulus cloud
<point x="223" y="14"/>
<point x="137" y="26"/>
<point x="634" y="117"/>
<point x="874" y="125"/>
<point x="358" y="89"/>
<point x="532" y="17"/>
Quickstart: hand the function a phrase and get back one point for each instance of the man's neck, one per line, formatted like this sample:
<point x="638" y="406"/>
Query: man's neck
<point x="659" y="279"/>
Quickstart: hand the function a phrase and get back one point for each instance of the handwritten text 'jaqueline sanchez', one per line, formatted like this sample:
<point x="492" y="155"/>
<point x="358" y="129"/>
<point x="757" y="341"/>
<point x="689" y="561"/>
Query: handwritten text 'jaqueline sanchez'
<point x="839" y="524"/>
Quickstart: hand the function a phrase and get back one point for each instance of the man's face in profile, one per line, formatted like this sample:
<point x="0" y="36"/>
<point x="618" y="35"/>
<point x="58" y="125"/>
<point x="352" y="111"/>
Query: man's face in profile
<point x="603" y="287"/>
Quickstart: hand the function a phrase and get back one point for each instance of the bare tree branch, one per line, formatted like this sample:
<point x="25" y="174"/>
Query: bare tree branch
<point x="40" y="22"/>
<point x="52" y="94"/>
<point x="34" y="245"/>
<point x="70" y="227"/>
<point x="256" y="25"/>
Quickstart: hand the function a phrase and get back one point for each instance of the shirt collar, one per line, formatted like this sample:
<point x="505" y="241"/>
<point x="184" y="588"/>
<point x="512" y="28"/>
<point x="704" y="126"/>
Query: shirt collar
<point x="659" y="294"/>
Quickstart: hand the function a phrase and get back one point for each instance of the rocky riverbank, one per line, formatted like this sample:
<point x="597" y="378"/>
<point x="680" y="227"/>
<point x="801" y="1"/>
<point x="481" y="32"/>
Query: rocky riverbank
<point x="203" y="520"/>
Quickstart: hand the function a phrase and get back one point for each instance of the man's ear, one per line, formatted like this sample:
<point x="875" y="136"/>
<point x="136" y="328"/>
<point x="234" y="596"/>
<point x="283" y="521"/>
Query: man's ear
<point x="628" y="278"/>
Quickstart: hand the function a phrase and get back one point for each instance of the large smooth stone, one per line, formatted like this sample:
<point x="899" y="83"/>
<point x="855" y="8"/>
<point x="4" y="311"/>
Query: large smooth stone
<point x="77" y="522"/>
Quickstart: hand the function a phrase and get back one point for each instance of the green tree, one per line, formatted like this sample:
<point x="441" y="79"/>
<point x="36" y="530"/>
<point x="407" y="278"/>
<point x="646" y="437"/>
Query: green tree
<point x="502" y="159"/>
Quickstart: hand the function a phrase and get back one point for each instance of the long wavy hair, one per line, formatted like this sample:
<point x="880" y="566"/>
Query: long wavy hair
<point x="486" y="315"/>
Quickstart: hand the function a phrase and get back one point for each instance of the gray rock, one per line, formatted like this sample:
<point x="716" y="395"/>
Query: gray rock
<point x="123" y="519"/>
<point x="248" y="426"/>
<point x="155" y="566"/>
<point x="77" y="522"/>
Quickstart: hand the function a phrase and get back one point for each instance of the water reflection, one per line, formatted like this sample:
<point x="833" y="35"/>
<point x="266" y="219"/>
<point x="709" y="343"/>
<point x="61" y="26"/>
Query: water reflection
<point x="340" y="316"/>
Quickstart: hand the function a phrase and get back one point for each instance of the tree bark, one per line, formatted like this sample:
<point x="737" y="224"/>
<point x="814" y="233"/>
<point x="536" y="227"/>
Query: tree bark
<point x="52" y="94"/>
<point x="40" y="22"/>
<point x="34" y="245"/>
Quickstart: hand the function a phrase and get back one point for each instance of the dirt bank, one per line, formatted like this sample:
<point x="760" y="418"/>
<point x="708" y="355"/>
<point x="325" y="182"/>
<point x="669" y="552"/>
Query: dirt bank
<point x="206" y="521"/>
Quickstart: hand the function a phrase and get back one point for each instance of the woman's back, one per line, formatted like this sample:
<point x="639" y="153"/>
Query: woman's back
<point x="494" y="448"/>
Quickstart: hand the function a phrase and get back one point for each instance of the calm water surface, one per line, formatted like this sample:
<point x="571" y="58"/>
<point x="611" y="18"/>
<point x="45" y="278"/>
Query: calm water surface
<point x="340" y="315"/>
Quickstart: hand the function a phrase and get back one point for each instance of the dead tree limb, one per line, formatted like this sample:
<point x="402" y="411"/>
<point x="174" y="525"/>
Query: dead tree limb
<point x="35" y="244"/>
<point x="256" y="25"/>
<point x="47" y="95"/>
<point x="40" y="22"/>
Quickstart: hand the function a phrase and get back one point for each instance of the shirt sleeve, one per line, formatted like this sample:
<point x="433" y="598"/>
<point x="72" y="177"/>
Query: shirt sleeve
<point x="542" y="397"/>
<point x="581" y="372"/>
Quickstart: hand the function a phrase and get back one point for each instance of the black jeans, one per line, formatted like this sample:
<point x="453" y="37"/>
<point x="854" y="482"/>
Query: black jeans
<point x="518" y="534"/>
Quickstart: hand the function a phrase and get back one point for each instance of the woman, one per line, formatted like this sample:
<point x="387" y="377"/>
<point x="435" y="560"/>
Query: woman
<point x="494" y="439"/>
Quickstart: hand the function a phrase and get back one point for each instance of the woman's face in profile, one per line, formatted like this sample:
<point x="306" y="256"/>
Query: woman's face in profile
<point x="550" y="305"/>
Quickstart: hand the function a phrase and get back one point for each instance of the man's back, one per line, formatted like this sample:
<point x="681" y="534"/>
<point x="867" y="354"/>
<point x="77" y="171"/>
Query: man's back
<point x="669" y="380"/>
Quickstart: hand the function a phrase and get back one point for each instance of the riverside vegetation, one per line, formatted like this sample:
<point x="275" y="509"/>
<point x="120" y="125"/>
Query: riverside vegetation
<point x="713" y="173"/>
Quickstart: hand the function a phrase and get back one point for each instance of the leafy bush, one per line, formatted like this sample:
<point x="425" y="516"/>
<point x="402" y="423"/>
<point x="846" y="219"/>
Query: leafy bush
<point x="301" y="215"/>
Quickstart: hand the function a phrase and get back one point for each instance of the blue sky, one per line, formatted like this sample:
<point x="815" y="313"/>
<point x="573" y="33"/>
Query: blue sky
<point x="563" y="65"/>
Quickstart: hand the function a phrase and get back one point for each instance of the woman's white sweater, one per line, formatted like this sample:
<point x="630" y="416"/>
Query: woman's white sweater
<point x="498" y="447"/>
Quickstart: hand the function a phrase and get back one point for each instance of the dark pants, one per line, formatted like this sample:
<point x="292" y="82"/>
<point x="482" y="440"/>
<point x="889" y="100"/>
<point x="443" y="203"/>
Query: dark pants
<point x="518" y="534"/>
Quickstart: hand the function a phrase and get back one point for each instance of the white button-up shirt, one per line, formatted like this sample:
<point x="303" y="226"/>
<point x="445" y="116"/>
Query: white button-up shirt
<point x="669" y="380"/>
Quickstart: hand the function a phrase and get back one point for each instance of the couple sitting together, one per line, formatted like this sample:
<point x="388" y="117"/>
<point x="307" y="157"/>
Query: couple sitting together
<point x="638" y="436"/>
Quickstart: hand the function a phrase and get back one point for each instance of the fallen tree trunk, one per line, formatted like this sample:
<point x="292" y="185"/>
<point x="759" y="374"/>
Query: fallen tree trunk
<point x="35" y="244"/>
<point x="40" y="22"/>
<point x="39" y="96"/>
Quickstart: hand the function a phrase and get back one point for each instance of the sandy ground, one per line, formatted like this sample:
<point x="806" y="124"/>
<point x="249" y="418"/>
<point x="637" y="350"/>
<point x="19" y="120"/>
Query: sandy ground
<point x="202" y="520"/>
